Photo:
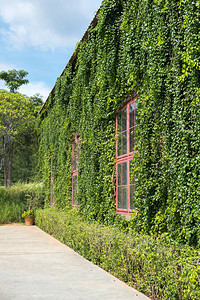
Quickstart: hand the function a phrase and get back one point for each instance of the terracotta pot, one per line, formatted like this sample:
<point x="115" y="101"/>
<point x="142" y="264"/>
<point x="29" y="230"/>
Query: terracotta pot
<point x="29" y="221"/>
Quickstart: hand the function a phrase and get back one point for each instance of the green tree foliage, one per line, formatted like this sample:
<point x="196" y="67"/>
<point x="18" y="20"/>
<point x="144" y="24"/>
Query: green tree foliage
<point x="37" y="102"/>
<point x="25" y="157"/>
<point x="16" y="120"/>
<point x="153" y="49"/>
<point x="14" y="79"/>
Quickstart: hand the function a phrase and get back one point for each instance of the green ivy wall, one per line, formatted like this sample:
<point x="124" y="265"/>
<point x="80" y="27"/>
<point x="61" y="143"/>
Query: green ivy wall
<point x="152" y="48"/>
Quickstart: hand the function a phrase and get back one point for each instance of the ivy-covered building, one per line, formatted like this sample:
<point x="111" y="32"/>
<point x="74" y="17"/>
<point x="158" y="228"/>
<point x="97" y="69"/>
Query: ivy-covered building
<point x="120" y="131"/>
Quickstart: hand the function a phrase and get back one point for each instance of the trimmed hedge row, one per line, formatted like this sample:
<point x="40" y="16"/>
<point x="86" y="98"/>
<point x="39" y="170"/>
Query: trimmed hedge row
<point x="16" y="199"/>
<point x="160" y="268"/>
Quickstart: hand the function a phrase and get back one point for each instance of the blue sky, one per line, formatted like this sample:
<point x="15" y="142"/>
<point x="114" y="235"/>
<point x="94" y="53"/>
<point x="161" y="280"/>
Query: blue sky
<point x="39" y="36"/>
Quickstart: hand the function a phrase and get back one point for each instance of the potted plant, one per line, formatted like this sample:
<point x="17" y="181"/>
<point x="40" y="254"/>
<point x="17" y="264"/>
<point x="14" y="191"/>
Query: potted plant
<point x="29" y="217"/>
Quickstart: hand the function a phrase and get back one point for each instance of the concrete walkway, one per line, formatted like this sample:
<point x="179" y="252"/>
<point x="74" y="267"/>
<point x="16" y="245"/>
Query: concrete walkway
<point x="34" y="265"/>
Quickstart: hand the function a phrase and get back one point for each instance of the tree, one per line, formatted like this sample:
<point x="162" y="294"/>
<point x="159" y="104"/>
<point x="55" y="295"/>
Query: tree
<point x="37" y="102"/>
<point x="25" y="159"/>
<point x="16" y="118"/>
<point x="14" y="79"/>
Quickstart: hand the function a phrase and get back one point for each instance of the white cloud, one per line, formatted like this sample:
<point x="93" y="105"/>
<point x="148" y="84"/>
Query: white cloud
<point x="6" y="67"/>
<point x="45" y="24"/>
<point x="33" y="88"/>
<point x="29" y="89"/>
<point x="2" y="86"/>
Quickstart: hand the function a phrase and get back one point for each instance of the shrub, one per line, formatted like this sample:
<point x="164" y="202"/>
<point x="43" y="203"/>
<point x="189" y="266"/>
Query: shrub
<point x="16" y="199"/>
<point x="160" y="268"/>
<point x="28" y="213"/>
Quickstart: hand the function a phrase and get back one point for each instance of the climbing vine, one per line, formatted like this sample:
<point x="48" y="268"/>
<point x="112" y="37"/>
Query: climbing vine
<point x="152" y="48"/>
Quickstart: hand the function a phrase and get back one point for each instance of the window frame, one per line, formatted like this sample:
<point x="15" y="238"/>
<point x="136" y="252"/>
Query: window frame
<point x="125" y="158"/>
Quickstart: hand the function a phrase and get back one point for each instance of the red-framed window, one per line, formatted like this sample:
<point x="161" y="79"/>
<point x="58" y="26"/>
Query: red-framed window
<point x="125" y="130"/>
<point x="75" y="156"/>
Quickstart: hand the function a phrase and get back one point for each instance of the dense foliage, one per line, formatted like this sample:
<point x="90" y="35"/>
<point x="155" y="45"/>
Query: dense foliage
<point x="162" y="269"/>
<point x="18" y="137"/>
<point x="151" y="47"/>
<point x="16" y="199"/>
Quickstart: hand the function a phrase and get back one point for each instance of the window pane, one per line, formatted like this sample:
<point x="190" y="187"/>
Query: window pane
<point x="124" y="140"/>
<point x="74" y="163"/>
<point x="122" y="173"/>
<point x="122" y="197"/>
<point x="136" y="109"/>
<point x="132" y="191"/>
<point x="131" y="179"/>
<point x="75" y="156"/>
<point x="75" y="189"/>
<point x="132" y="139"/>
<point x="122" y="144"/>
<point x="136" y="105"/>
<point x="131" y="115"/>
<point x="119" y="145"/>
<point x="119" y="122"/>
<point x="124" y="118"/>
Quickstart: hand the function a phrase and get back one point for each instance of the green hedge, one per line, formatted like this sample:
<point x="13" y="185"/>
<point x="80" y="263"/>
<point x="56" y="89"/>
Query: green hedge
<point x="16" y="199"/>
<point x="160" y="268"/>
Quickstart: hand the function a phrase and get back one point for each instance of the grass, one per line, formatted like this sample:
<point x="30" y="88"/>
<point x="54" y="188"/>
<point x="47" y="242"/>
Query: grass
<point x="14" y="200"/>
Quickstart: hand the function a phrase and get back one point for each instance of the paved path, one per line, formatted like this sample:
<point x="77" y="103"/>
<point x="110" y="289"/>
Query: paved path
<point x="34" y="265"/>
